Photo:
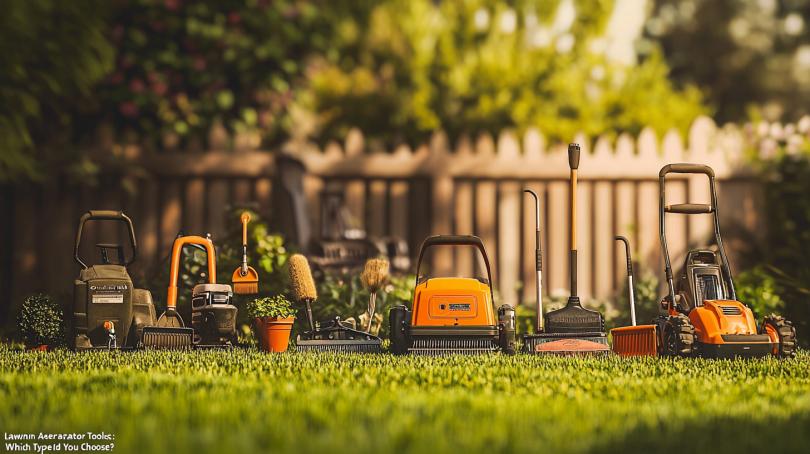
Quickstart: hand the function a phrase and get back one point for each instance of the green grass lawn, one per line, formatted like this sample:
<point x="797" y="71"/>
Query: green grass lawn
<point x="246" y="401"/>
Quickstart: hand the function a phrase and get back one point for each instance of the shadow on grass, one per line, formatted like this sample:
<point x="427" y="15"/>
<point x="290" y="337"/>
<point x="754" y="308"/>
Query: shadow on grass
<point x="717" y="436"/>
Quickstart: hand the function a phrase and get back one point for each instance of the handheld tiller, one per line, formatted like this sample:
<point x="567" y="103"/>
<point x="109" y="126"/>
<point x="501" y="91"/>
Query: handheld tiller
<point x="332" y="336"/>
<point x="571" y="329"/>
<point x="108" y="311"/>
<point x="702" y="315"/>
<point x="452" y="314"/>
<point x="633" y="340"/>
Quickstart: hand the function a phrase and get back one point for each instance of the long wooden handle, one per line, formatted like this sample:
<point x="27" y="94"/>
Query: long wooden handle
<point x="245" y="218"/>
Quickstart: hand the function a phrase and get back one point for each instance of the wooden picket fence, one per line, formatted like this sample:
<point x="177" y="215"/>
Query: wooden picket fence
<point x="471" y="187"/>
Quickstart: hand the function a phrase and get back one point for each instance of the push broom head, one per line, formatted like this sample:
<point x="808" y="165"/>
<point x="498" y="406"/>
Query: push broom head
<point x="303" y="286"/>
<point x="375" y="274"/>
<point x="247" y="283"/>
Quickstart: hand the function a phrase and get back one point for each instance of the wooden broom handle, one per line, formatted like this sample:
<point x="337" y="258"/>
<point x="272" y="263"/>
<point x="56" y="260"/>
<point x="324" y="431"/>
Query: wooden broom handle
<point x="245" y="218"/>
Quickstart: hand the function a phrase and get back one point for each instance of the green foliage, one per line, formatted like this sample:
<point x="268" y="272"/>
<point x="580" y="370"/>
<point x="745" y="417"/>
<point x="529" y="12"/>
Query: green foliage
<point x="476" y="66"/>
<point x="277" y="306"/>
<point x="40" y="321"/>
<point x="745" y="55"/>
<point x="757" y="288"/>
<point x="181" y="66"/>
<point x="52" y="53"/>
<point x="307" y="403"/>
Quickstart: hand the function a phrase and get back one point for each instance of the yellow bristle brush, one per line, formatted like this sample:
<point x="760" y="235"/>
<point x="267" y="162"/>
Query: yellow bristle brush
<point x="374" y="276"/>
<point x="303" y="286"/>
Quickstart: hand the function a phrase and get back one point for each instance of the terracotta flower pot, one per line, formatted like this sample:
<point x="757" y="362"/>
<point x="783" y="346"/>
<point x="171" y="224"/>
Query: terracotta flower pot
<point x="39" y="348"/>
<point x="274" y="333"/>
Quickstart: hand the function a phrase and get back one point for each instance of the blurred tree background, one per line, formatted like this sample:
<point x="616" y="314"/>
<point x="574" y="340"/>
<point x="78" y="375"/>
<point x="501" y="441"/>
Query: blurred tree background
<point x="160" y="73"/>
<point x="750" y="57"/>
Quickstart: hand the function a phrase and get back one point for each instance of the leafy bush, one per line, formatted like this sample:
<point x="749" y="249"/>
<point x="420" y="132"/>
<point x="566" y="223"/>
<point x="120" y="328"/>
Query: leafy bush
<point x="270" y="306"/>
<point x="483" y="66"/>
<point x="758" y="289"/>
<point x="52" y="53"/>
<point x="40" y="321"/>
<point x="182" y="66"/>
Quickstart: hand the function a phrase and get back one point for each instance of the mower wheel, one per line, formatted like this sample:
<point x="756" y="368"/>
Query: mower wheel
<point x="398" y="320"/>
<point x="786" y="332"/>
<point x="679" y="336"/>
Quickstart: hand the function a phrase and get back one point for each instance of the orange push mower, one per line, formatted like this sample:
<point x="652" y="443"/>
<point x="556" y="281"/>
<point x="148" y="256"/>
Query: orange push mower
<point x="452" y="314"/>
<point x="701" y="314"/>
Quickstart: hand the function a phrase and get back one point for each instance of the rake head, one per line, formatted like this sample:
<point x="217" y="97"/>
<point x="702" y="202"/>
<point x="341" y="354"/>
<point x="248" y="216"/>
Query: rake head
<point x="450" y="345"/>
<point x="339" y="346"/>
<point x="163" y="338"/>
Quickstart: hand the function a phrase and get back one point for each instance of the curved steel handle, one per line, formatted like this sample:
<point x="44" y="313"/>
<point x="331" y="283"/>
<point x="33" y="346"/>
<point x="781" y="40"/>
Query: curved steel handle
<point x="105" y="215"/>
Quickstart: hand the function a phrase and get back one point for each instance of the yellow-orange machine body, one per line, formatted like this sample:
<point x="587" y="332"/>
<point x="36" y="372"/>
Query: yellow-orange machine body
<point x="452" y="314"/>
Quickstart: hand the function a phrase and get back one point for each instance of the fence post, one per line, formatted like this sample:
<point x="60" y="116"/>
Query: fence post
<point x="441" y="190"/>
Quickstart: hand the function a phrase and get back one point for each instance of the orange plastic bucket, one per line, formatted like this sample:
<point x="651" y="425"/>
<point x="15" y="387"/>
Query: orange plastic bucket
<point x="638" y="340"/>
<point x="274" y="334"/>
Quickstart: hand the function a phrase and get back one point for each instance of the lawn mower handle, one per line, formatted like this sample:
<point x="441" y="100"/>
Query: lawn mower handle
<point x="690" y="208"/>
<point x="686" y="168"/>
<point x="105" y="215"/>
<point x="456" y="240"/>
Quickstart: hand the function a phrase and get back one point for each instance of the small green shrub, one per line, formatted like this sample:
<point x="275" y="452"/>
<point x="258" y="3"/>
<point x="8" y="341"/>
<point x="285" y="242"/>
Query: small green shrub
<point x="270" y="306"/>
<point x="40" y="321"/>
<point x="758" y="289"/>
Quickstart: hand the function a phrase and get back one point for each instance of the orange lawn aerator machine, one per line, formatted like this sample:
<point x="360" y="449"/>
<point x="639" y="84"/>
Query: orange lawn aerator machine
<point x="452" y="314"/>
<point x="702" y="315"/>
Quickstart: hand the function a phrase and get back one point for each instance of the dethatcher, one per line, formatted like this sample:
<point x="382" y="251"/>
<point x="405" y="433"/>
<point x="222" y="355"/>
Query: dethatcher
<point x="702" y="316"/>
<point x="452" y="314"/>
<point x="572" y="329"/>
<point x="331" y="336"/>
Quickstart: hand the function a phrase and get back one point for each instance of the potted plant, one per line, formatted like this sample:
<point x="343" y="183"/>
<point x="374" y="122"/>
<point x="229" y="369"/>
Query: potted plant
<point x="273" y="318"/>
<point x="40" y="322"/>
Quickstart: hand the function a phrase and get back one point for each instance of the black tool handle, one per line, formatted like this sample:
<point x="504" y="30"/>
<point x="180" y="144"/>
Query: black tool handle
<point x="627" y="254"/>
<point x="573" y="156"/>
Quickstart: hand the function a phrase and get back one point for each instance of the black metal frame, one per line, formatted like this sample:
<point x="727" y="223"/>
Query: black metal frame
<point x="688" y="209"/>
<point x="105" y="215"/>
<point x="455" y="240"/>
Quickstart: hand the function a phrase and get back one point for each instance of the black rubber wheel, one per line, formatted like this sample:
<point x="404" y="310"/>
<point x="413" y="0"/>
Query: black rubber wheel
<point x="678" y="336"/>
<point x="786" y="332"/>
<point x="398" y="319"/>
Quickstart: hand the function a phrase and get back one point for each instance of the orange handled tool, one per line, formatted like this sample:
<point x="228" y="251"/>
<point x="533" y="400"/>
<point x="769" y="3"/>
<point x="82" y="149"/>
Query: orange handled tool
<point x="245" y="278"/>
